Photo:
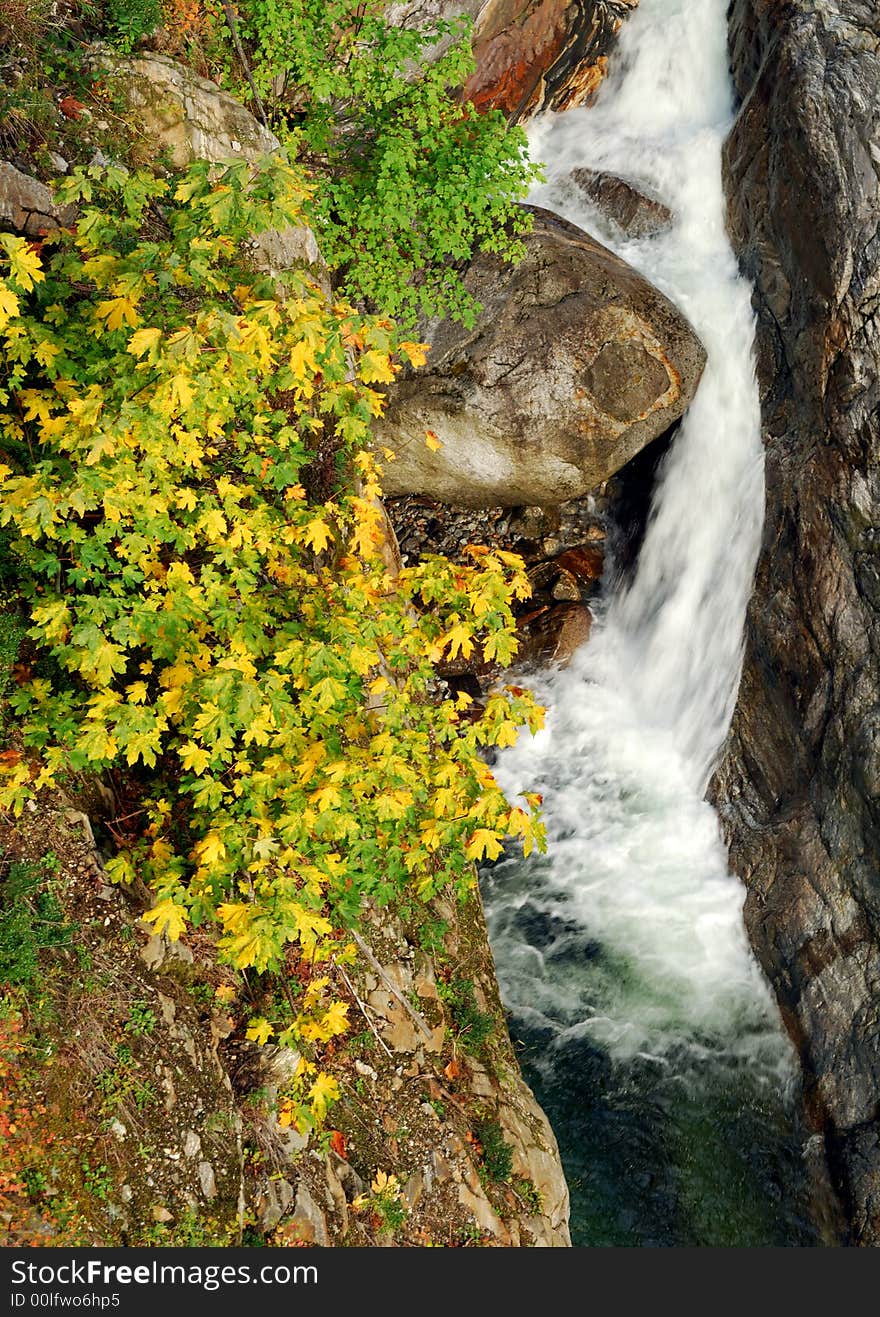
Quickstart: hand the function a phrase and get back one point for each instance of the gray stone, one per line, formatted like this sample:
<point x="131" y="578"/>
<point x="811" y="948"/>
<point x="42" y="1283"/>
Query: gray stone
<point x="574" y="365"/>
<point x="207" y="1180"/>
<point x="28" y="206"/>
<point x="309" y="1218"/>
<point x="188" y="116"/>
<point x="193" y="119"/>
<point x="631" y="210"/>
<point x="192" y="1144"/>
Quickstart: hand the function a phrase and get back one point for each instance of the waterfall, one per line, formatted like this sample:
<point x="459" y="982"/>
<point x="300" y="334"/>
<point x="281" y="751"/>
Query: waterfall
<point x="622" y="953"/>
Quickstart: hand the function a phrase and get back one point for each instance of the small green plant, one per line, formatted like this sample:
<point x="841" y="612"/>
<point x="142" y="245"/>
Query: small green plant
<point x="497" y="1153"/>
<point x="141" y="1020"/>
<point x="385" y="1201"/>
<point x="97" y="1180"/>
<point x="121" y="1084"/>
<point x="129" y="20"/>
<point x="31" y="920"/>
<point x="473" y="1027"/>
<point x="529" y="1195"/>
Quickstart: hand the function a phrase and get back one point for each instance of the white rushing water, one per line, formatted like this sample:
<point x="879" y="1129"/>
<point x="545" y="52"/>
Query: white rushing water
<point x="636" y="865"/>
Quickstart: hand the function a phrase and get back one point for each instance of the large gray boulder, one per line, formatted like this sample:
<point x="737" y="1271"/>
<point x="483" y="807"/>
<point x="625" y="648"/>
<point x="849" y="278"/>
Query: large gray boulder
<point x="575" y="364"/>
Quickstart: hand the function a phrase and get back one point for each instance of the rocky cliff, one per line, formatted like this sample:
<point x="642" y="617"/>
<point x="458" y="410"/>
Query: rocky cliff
<point x="799" y="787"/>
<point x="531" y="55"/>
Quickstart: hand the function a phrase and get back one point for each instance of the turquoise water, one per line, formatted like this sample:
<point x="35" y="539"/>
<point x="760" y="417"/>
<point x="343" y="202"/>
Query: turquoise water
<point x="702" y="1147"/>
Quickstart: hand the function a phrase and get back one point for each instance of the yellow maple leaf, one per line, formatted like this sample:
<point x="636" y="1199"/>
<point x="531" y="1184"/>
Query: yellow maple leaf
<point x="484" y="843"/>
<point x="194" y="758"/>
<point x="144" y="341"/>
<point x="116" y="312"/>
<point x="431" y="441"/>
<point x="9" y="305"/>
<point x="506" y="734"/>
<point x="259" y="1030"/>
<point x="24" y="263"/>
<point x="416" y="353"/>
<point x="375" y="368"/>
<point x="181" y="392"/>
<point x="166" y="917"/>
<point x="213" y="525"/>
<point x="317" y="535"/>
<point x="211" y="849"/>
<point x="459" y="641"/>
<point x="323" y="1091"/>
<point x="334" y="1021"/>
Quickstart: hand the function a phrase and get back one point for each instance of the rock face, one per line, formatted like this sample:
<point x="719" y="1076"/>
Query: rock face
<point x="27" y="206"/>
<point x="535" y="55"/>
<point x="152" y="1083"/>
<point x="800" y="783"/>
<point x="634" y="213"/>
<point x="531" y="55"/>
<point x="189" y="116"/>
<point x="574" y="365"/>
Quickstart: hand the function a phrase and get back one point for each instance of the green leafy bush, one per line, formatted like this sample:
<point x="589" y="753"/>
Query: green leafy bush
<point x="474" y="1027"/>
<point x="412" y="179"/>
<point x="497" y="1152"/>
<point x="129" y="20"/>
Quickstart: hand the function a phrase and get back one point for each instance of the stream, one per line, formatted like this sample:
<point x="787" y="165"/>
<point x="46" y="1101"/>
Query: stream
<point x="646" y="1028"/>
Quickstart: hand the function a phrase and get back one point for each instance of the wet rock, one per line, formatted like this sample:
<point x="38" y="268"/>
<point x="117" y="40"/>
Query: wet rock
<point x="797" y="788"/>
<point x="554" y="635"/>
<point x="575" y="364"/>
<point x="585" y="562"/>
<point x="634" y="213"/>
<point x="566" y="588"/>
<point x="530" y="55"/>
<point x="535" y="55"/>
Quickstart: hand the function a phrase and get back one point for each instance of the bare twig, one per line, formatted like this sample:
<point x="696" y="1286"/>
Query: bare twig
<point x="245" y="64"/>
<point x="414" y="1015"/>
<point x="379" y="1039"/>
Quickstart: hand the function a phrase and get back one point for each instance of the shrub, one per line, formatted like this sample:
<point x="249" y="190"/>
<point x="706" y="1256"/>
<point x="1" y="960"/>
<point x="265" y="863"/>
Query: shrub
<point x="497" y="1152"/>
<point x="412" y="179"/>
<point x="245" y="649"/>
<point x="129" y="20"/>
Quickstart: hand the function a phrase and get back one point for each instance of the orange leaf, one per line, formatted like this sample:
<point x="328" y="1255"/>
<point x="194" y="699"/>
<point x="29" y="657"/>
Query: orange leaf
<point x="453" y="1070"/>
<point x="71" y="108"/>
<point x="337" y="1143"/>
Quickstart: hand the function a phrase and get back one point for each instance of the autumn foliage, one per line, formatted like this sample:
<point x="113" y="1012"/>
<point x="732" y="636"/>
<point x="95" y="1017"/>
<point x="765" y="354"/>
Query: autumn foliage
<point x="199" y="620"/>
